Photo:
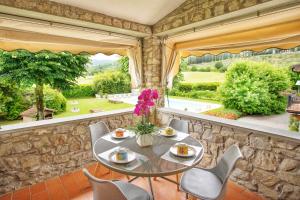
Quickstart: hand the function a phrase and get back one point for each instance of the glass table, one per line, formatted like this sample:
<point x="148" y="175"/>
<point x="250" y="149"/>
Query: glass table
<point x="149" y="162"/>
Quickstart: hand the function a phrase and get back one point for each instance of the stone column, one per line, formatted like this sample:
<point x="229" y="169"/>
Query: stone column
<point x="152" y="65"/>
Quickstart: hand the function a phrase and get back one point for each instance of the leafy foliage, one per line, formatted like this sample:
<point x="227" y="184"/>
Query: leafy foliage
<point x="112" y="82"/>
<point x="55" y="100"/>
<point x="218" y="65"/>
<point x="59" y="70"/>
<point x="187" y="87"/>
<point x="79" y="91"/>
<point x="123" y="63"/>
<point x="201" y="94"/>
<point x="179" y="76"/>
<point x="12" y="100"/>
<point x="254" y="88"/>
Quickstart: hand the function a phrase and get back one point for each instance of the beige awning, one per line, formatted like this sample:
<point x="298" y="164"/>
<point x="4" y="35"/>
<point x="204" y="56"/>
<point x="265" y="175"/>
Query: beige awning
<point x="34" y="42"/>
<point x="280" y="31"/>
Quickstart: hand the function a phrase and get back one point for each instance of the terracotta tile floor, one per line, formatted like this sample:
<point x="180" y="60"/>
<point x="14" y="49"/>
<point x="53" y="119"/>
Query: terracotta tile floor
<point x="75" y="186"/>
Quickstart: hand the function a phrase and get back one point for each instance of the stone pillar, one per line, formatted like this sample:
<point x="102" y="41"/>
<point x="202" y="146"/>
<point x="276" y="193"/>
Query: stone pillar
<point x="152" y="65"/>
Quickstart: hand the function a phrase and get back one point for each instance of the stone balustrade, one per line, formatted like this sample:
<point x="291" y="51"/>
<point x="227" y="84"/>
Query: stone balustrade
<point x="36" y="151"/>
<point x="271" y="163"/>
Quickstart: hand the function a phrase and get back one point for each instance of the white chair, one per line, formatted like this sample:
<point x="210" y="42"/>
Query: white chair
<point x="115" y="190"/>
<point x="97" y="130"/>
<point x="179" y="125"/>
<point x="210" y="184"/>
<point x="182" y="126"/>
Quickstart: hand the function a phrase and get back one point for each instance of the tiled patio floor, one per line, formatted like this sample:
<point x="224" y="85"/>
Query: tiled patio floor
<point x="75" y="186"/>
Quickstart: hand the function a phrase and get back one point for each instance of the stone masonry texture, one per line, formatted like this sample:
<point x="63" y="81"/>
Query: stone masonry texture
<point x="152" y="61"/>
<point x="192" y="11"/>
<point x="31" y="156"/>
<point x="270" y="167"/>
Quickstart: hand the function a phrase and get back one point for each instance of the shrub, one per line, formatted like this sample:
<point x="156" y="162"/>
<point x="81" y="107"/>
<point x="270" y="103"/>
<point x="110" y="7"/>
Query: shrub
<point x="187" y="87"/>
<point x="55" y="100"/>
<point x="79" y="91"/>
<point x="204" y="94"/>
<point x="218" y="65"/>
<point x="213" y="86"/>
<point x="194" y="69"/>
<point x="205" y="69"/>
<point x="223" y="69"/>
<point x="12" y="101"/>
<point x="112" y="83"/>
<point x="254" y="88"/>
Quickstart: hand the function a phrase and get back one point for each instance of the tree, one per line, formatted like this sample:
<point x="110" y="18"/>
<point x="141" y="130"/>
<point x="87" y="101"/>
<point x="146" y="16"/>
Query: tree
<point x="124" y="64"/>
<point x="59" y="70"/>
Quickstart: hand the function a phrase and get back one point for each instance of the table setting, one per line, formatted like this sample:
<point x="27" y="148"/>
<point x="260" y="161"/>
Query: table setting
<point x="146" y="150"/>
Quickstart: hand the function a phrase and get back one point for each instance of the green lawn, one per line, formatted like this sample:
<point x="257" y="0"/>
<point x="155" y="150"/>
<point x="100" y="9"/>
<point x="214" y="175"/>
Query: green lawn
<point x="85" y="105"/>
<point x="196" y="77"/>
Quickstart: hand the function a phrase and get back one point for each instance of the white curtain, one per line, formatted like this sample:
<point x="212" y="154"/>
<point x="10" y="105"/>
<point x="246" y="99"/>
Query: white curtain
<point x="170" y="65"/>
<point x="135" y="66"/>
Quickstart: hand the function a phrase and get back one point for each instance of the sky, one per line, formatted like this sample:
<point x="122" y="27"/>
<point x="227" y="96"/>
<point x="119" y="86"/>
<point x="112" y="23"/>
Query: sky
<point x="101" y="56"/>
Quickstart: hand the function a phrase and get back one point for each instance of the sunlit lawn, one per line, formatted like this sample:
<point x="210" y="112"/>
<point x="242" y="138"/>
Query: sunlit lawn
<point x="85" y="105"/>
<point x="196" y="77"/>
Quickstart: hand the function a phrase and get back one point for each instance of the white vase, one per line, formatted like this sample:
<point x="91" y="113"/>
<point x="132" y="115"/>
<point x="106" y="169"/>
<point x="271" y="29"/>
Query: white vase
<point x="144" y="140"/>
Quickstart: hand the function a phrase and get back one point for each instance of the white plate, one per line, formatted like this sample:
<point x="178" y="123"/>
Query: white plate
<point x="191" y="151"/>
<point x="131" y="157"/>
<point x="125" y="135"/>
<point x="163" y="133"/>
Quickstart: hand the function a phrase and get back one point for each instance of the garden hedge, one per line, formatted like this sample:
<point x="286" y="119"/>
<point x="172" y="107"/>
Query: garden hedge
<point x="79" y="91"/>
<point x="114" y="82"/>
<point x="187" y="87"/>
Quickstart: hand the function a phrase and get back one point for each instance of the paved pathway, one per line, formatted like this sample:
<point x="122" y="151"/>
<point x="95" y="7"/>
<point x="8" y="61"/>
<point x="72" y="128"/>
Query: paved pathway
<point x="280" y="121"/>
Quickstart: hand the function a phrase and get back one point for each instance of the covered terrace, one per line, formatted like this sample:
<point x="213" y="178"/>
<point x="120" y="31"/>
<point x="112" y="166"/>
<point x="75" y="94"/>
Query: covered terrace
<point x="43" y="159"/>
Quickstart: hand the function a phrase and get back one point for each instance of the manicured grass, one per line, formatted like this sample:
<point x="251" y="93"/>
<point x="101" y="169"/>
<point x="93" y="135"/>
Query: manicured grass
<point x="86" y="104"/>
<point x="197" y="77"/>
<point x="199" y="100"/>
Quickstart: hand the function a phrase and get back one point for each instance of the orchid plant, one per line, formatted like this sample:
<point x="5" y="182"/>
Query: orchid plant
<point x="146" y="100"/>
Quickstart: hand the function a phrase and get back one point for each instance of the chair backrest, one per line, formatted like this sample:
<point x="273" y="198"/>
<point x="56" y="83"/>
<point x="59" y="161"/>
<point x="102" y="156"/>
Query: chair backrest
<point x="227" y="162"/>
<point x="103" y="189"/>
<point x="97" y="130"/>
<point x="179" y="125"/>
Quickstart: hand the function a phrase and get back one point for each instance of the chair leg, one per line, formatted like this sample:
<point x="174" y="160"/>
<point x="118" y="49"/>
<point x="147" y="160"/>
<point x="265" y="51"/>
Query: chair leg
<point x="177" y="180"/>
<point x="95" y="170"/>
<point x="128" y="178"/>
<point x="192" y="198"/>
<point x="110" y="174"/>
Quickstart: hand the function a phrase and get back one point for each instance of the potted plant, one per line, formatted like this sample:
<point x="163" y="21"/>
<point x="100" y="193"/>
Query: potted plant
<point x="144" y="129"/>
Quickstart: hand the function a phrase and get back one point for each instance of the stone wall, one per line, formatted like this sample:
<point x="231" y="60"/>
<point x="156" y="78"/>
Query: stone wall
<point x="192" y="11"/>
<point x="152" y="62"/>
<point x="271" y="165"/>
<point x="62" y="10"/>
<point x="35" y="154"/>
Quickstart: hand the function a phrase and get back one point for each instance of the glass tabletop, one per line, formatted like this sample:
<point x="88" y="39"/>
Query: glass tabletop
<point x="149" y="162"/>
